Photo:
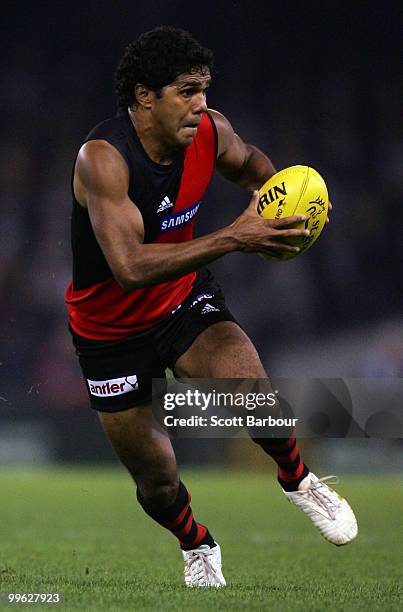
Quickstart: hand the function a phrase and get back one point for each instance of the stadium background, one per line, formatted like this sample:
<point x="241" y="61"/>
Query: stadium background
<point x="317" y="84"/>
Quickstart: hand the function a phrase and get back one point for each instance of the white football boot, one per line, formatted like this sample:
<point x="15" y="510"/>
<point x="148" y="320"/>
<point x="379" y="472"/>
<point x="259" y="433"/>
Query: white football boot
<point x="328" y="511"/>
<point x="203" y="567"/>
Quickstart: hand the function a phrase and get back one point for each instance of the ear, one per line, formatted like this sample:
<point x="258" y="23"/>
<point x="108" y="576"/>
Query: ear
<point x="143" y="96"/>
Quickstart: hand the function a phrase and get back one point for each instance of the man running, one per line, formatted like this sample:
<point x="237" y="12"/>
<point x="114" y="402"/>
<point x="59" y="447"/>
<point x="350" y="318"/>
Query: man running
<point x="137" y="301"/>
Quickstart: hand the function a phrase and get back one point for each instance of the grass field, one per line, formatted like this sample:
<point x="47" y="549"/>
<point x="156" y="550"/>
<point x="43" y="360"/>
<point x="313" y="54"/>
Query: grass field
<point x="80" y="533"/>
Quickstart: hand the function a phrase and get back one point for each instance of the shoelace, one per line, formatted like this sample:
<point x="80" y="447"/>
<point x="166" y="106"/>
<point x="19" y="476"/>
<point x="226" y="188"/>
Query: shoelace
<point x="320" y="493"/>
<point x="205" y="568"/>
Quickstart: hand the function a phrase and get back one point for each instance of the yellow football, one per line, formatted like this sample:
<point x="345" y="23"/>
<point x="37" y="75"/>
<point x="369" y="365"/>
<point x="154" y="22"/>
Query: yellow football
<point x="297" y="190"/>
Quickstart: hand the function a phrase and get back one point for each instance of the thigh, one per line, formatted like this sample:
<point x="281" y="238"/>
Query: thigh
<point x="222" y="350"/>
<point x="143" y="449"/>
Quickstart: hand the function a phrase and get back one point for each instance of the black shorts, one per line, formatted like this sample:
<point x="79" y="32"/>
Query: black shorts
<point x="118" y="374"/>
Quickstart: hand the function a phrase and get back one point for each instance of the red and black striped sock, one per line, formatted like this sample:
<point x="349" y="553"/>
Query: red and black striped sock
<point x="285" y="452"/>
<point x="178" y="518"/>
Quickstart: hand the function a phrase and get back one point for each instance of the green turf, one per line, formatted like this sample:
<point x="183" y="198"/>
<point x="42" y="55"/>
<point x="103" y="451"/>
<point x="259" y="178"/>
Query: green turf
<point x="80" y="533"/>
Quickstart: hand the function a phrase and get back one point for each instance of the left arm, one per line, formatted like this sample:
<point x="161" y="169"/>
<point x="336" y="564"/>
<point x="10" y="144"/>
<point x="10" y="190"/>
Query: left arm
<point x="237" y="161"/>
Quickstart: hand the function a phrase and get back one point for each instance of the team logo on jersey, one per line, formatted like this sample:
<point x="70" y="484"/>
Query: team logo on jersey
<point x="114" y="386"/>
<point x="180" y="218"/>
<point x="165" y="204"/>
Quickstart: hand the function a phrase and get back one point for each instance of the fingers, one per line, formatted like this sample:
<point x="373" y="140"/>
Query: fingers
<point x="330" y="206"/>
<point x="281" y="247"/>
<point x="286" y="221"/>
<point x="254" y="199"/>
<point x="292" y="232"/>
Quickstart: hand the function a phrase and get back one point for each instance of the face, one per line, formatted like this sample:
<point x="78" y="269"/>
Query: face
<point x="178" y="112"/>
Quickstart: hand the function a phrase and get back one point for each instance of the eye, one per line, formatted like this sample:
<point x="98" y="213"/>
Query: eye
<point x="191" y="91"/>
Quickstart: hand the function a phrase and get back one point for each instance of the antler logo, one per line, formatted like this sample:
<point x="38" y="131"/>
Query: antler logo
<point x="114" y="386"/>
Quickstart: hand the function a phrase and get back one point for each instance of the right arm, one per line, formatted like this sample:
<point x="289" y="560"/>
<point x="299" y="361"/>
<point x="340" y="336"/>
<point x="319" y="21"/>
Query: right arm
<point x="101" y="184"/>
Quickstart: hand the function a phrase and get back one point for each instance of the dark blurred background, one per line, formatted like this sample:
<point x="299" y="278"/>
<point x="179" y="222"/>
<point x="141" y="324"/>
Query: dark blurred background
<point x="308" y="82"/>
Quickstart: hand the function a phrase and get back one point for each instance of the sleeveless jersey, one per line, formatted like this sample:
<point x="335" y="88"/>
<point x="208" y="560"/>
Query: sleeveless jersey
<point x="168" y="198"/>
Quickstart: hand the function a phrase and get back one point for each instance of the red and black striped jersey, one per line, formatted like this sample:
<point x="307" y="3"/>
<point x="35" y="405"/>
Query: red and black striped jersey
<point x="168" y="198"/>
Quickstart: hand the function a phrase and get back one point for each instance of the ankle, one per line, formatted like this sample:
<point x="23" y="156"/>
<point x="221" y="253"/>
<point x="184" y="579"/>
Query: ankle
<point x="292" y="484"/>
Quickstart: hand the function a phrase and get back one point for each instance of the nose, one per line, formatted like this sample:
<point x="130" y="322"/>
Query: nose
<point x="199" y="103"/>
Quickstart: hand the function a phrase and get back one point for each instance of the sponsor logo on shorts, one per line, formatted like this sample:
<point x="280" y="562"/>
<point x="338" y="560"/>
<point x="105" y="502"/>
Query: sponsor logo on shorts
<point x="209" y="308"/>
<point x="180" y="218"/>
<point x="114" y="386"/>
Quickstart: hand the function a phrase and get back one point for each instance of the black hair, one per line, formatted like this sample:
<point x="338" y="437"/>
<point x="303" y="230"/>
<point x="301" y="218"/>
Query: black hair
<point x="155" y="59"/>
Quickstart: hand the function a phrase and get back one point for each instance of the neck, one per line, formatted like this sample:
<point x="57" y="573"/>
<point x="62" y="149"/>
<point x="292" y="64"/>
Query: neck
<point x="150" y="138"/>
